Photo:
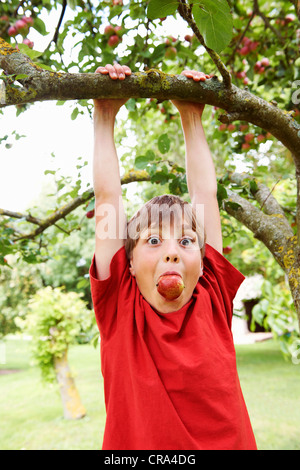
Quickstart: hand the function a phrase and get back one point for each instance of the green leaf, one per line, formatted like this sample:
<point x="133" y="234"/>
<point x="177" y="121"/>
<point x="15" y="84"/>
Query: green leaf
<point x="91" y="205"/>
<point x="29" y="52"/>
<point x="164" y="143"/>
<point x="161" y="8"/>
<point x="72" y="4"/>
<point x="40" y="27"/>
<point x="214" y="21"/>
<point x="131" y="104"/>
<point x="221" y="194"/>
<point x="142" y="161"/>
<point x="74" y="114"/>
<point x="21" y="76"/>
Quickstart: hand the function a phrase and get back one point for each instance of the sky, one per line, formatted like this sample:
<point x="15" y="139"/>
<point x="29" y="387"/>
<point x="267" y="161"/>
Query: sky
<point x="48" y="130"/>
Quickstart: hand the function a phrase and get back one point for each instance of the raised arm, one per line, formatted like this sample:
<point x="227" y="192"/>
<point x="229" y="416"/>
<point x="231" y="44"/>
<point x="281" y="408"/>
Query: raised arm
<point x="109" y="209"/>
<point x="200" y="170"/>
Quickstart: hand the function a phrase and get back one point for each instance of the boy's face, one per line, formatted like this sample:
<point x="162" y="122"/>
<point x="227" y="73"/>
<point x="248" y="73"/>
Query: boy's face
<point x="174" y="248"/>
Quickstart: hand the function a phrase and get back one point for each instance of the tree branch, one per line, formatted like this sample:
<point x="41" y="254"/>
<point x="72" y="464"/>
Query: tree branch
<point x="129" y="177"/>
<point x="55" y="37"/>
<point x="272" y="230"/>
<point x="240" y="104"/>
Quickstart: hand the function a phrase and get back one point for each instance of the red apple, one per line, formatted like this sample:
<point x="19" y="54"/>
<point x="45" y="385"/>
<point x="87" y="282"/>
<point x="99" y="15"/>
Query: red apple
<point x="28" y="20"/>
<point x="261" y="138"/>
<point x="28" y="43"/>
<point x="90" y="214"/>
<point x="21" y="25"/>
<point x="265" y="62"/>
<point x="249" y="137"/>
<point x="12" y="31"/>
<point x="244" y="51"/>
<point x="170" y="286"/>
<point x="114" y="40"/>
<point x="109" y="30"/>
<point x="289" y="18"/>
<point x="171" y="53"/>
<point x="245" y="146"/>
<point x="241" y="74"/>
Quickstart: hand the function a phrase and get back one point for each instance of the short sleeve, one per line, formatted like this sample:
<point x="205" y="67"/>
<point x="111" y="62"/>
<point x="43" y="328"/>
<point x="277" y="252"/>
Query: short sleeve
<point x="222" y="279"/>
<point x="105" y="292"/>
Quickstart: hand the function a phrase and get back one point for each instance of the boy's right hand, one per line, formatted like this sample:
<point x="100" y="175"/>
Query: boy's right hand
<point x="116" y="72"/>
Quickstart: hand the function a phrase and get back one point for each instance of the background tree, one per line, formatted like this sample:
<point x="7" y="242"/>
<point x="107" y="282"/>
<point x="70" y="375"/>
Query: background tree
<point x="55" y="320"/>
<point x="254" y="91"/>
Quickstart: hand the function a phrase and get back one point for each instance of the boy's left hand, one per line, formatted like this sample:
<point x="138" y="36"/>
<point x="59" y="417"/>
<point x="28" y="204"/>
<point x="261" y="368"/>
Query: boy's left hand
<point x="188" y="106"/>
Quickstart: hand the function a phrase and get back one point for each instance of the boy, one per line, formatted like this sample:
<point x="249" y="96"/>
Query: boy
<point x="164" y="305"/>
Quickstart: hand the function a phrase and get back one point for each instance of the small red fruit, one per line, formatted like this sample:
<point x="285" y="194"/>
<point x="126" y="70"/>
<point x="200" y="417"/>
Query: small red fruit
<point x="28" y="43"/>
<point x="90" y="214"/>
<point x="170" y="286"/>
<point x="261" y="138"/>
<point x="244" y="51"/>
<point x="20" y="25"/>
<point x="289" y="18"/>
<point x="114" y="41"/>
<point x="241" y="74"/>
<point x="227" y="250"/>
<point x="12" y="31"/>
<point x="109" y="30"/>
<point x="265" y="62"/>
<point x="28" y="20"/>
<point x="171" y="53"/>
<point x="249" y="137"/>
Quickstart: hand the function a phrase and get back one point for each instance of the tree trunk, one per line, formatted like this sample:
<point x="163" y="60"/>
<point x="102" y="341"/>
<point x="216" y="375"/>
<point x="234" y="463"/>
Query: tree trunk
<point x="73" y="408"/>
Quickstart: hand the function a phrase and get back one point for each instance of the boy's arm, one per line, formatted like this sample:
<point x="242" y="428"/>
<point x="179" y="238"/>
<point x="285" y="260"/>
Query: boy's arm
<point x="200" y="170"/>
<point x="109" y="209"/>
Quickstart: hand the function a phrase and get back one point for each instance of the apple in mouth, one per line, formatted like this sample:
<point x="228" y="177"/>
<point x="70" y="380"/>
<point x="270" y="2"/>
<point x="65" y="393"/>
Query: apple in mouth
<point x="170" y="286"/>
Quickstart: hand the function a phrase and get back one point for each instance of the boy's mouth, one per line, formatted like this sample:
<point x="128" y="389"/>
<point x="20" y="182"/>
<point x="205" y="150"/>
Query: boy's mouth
<point x="170" y="285"/>
<point x="169" y="273"/>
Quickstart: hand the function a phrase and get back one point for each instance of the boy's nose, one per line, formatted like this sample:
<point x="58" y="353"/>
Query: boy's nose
<point x="173" y="258"/>
<point x="171" y="255"/>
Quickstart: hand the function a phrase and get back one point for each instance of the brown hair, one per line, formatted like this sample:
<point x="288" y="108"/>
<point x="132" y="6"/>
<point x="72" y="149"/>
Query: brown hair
<point x="156" y="211"/>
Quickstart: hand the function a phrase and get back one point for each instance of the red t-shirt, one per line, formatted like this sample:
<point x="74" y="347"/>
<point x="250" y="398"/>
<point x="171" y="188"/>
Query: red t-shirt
<point x="170" y="380"/>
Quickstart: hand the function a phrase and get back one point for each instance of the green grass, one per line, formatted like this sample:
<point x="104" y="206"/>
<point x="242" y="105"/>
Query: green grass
<point x="31" y="413"/>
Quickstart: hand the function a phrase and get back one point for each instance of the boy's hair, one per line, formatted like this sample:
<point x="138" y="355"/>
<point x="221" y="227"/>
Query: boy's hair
<point x="161" y="209"/>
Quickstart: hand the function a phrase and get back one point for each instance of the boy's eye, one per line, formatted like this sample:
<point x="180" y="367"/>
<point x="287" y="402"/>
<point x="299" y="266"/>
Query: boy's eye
<point x="154" y="240"/>
<point x="187" y="241"/>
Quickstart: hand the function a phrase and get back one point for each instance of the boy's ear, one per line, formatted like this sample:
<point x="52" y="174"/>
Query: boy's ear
<point x="201" y="267"/>
<point x="131" y="269"/>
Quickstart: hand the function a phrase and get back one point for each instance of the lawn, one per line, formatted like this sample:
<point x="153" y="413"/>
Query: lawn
<point x="31" y="412"/>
